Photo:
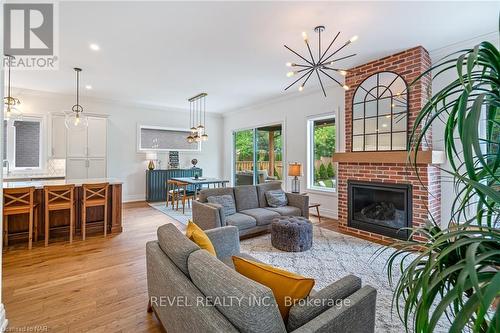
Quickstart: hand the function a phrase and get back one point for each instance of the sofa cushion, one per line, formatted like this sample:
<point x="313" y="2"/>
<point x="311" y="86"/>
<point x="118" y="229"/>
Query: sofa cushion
<point x="246" y="197"/>
<point x="226" y="201"/>
<point x="276" y="198"/>
<point x="208" y="192"/>
<point x="262" y="215"/>
<point x="229" y="259"/>
<point x="286" y="210"/>
<point x="194" y="233"/>
<point x="241" y="221"/>
<point x="263" y="188"/>
<point x="221" y="283"/>
<point x="176" y="246"/>
<point x="287" y="287"/>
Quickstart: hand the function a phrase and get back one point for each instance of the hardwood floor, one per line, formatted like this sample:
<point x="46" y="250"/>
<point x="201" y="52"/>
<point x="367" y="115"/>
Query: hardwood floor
<point x="94" y="286"/>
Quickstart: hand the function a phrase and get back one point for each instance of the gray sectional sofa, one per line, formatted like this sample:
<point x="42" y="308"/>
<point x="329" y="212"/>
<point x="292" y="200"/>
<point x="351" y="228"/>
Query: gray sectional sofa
<point x="253" y="214"/>
<point x="193" y="291"/>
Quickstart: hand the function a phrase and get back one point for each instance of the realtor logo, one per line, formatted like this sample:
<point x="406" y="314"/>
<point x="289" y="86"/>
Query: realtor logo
<point x="29" y="34"/>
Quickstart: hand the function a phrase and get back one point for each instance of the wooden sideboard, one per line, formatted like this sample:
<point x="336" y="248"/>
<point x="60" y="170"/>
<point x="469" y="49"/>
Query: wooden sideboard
<point x="156" y="180"/>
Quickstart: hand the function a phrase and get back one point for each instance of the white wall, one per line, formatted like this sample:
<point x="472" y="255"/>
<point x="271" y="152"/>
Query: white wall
<point x="124" y="162"/>
<point x="293" y="111"/>
<point x="438" y="83"/>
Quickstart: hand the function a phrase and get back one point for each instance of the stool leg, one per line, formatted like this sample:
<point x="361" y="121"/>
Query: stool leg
<point x="35" y="224"/>
<point x="71" y="223"/>
<point x="6" y="231"/>
<point x="84" y="221"/>
<point x="47" y="222"/>
<point x="105" y="219"/>
<point x="319" y="217"/>
<point x="30" y="230"/>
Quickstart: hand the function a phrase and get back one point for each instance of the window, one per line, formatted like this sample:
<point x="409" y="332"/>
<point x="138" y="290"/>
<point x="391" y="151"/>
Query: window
<point x="22" y="146"/>
<point x="321" y="147"/>
<point x="380" y="113"/>
<point x="258" y="155"/>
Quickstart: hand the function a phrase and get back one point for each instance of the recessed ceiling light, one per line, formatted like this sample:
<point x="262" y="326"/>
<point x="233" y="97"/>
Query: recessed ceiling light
<point x="88" y="87"/>
<point x="94" y="47"/>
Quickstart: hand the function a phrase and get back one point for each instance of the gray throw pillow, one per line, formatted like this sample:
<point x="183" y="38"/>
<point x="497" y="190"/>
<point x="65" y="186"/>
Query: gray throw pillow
<point x="226" y="201"/>
<point x="276" y="198"/>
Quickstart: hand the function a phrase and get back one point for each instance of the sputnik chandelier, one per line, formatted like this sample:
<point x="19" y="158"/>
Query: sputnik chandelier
<point x="197" y="118"/>
<point x="323" y="64"/>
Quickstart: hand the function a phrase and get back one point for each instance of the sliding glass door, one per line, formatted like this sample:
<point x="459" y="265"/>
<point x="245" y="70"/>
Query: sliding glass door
<point x="258" y="155"/>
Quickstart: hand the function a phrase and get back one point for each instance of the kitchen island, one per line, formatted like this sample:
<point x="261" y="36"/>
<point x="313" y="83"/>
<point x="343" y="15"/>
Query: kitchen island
<point x="59" y="220"/>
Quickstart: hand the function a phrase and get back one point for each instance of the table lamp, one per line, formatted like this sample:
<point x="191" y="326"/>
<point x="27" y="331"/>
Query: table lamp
<point x="151" y="157"/>
<point x="295" y="170"/>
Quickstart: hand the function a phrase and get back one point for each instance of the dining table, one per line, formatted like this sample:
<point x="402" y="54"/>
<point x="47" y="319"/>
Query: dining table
<point x="200" y="181"/>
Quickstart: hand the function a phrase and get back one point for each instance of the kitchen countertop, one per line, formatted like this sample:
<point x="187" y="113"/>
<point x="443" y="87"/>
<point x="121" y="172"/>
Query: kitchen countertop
<point x="39" y="184"/>
<point x="14" y="177"/>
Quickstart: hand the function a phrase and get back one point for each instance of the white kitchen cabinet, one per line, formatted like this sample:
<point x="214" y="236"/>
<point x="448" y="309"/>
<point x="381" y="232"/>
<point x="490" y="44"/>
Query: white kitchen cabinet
<point x="96" y="168"/>
<point x="76" y="168"/>
<point x="96" y="137"/>
<point x="57" y="137"/>
<point x="88" y="146"/>
<point x="77" y="143"/>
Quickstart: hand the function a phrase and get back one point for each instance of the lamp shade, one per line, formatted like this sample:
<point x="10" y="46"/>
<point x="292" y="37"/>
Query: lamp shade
<point x="151" y="156"/>
<point x="295" y="169"/>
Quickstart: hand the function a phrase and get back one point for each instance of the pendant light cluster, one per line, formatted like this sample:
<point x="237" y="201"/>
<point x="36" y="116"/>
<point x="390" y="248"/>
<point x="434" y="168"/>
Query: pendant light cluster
<point x="75" y="120"/>
<point x="323" y="64"/>
<point x="11" y="104"/>
<point x="197" y="118"/>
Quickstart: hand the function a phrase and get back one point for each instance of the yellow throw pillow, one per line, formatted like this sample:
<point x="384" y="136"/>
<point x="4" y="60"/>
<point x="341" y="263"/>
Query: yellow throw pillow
<point x="194" y="233"/>
<point x="287" y="287"/>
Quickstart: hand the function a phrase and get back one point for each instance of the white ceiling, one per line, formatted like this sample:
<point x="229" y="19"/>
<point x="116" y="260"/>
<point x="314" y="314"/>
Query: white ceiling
<point x="161" y="53"/>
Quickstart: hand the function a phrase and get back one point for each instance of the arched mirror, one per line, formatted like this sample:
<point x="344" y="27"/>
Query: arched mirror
<point x="380" y="113"/>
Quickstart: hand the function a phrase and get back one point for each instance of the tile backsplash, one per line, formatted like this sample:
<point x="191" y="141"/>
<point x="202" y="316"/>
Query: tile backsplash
<point x="56" y="167"/>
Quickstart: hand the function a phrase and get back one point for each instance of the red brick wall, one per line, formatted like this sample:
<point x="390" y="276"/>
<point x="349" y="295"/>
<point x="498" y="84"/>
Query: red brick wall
<point x="426" y="191"/>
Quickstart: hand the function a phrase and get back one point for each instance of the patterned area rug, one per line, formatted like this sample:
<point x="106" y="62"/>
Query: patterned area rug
<point x="175" y="214"/>
<point x="332" y="257"/>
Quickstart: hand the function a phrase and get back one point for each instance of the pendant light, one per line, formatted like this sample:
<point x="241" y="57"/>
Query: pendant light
<point x="11" y="104"/>
<point x="75" y="120"/>
<point x="197" y="118"/>
<point x="190" y="138"/>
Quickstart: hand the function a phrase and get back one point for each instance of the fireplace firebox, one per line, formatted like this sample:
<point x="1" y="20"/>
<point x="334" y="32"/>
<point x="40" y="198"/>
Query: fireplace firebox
<point x="382" y="208"/>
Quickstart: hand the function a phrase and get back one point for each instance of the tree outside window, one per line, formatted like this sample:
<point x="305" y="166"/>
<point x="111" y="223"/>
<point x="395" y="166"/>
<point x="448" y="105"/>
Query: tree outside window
<point x="322" y="169"/>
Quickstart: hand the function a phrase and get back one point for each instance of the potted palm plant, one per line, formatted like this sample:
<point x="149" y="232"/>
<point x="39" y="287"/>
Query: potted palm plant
<point x="454" y="275"/>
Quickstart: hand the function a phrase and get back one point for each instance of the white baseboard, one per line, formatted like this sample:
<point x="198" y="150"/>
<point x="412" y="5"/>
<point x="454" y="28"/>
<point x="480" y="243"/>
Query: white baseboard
<point x="325" y="212"/>
<point x="133" y="198"/>
<point x="3" y="320"/>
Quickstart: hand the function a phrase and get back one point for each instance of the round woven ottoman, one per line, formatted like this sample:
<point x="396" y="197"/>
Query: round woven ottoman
<point x="291" y="233"/>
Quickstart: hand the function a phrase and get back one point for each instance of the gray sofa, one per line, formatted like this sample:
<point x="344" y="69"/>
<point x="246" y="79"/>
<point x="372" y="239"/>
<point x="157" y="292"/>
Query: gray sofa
<point x="253" y="215"/>
<point x="182" y="279"/>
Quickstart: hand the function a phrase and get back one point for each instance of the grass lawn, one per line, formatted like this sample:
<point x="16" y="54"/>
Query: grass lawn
<point x="328" y="183"/>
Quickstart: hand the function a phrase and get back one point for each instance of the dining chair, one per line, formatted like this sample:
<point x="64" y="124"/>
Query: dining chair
<point x="59" y="197"/>
<point x="94" y="195"/>
<point x="185" y="194"/>
<point x="18" y="201"/>
<point x="172" y="192"/>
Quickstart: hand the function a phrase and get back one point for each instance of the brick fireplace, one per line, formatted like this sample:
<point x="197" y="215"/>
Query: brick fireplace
<point x="390" y="167"/>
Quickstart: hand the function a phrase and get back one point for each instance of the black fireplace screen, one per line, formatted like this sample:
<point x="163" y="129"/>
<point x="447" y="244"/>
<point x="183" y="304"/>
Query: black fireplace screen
<point x="382" y="208"/>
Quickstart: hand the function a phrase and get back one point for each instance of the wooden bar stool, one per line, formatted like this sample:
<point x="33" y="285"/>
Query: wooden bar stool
<point x="59" y="197"/>
<point x="18" y="201"/>
<point x="94" y="195"/>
